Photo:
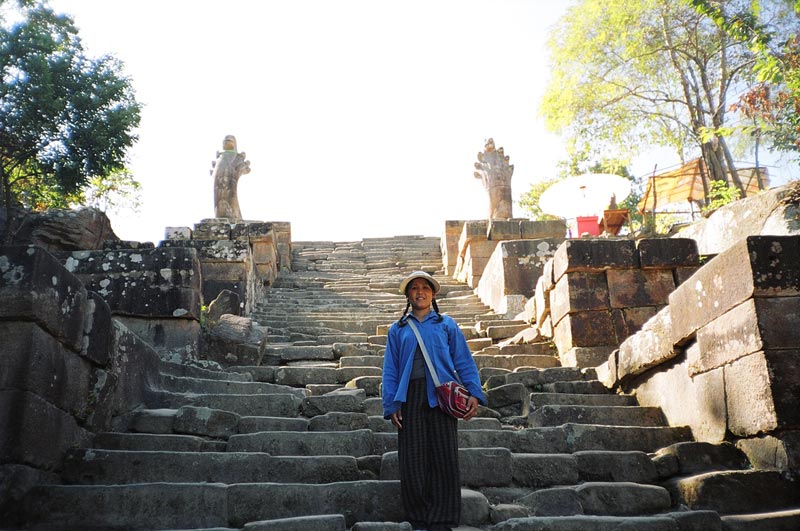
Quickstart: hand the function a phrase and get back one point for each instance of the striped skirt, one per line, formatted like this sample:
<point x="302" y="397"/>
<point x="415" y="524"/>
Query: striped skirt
<point x="430" y="483"/>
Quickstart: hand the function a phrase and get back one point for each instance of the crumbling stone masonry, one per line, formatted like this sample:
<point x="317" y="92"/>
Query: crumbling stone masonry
<point x="595" y="293"/>
<point x="242" y="257"/>
<point x="723" y="357"/>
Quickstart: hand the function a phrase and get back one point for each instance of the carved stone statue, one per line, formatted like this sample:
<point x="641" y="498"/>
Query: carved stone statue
<point x="495" y="172"/>
<point x="226" y="171"/>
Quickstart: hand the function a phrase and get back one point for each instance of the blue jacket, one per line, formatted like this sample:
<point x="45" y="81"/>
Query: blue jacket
<point x="449" y="354"/>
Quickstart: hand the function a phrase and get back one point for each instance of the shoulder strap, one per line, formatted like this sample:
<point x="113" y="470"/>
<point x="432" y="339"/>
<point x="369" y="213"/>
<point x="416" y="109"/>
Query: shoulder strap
<point x="424" y="353"/>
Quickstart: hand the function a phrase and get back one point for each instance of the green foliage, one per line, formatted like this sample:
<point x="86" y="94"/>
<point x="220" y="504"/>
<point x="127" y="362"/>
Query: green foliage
<point x="720" y="194"/>
<point x="628" y="75"/>
<point x="113" y="193"/>
<point x="66" y="118"/>
<point x="773" y="104"/>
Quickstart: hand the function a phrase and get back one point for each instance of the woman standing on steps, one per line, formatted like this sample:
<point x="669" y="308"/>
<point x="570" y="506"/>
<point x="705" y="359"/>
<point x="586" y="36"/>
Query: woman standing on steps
<point x="427" y="437"/>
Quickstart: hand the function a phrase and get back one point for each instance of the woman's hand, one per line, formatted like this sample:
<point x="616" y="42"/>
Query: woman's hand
<point x="473" y="408"/>
<point x="397" y="419"/>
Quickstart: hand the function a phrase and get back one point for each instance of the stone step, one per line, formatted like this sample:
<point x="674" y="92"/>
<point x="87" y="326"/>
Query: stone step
<point x="542" y="349"/>
<point x="674" y="521"/>
<point x="275" y="405"/>
<point x="361" y="361"/>
<point x="156" y="442"/>
<point x="181" y="384"/>
<point x="535" y="378"/>
<point x="117" y="467"/>
<point x="575" y="387"/>
<point x="736" y="491"/>
<point x="565" y="439"/>
<point x="189" y="371"/>
<point x="555" y="415"/>
<point x="216" y="505"/>
<point x="513" y="361"/>
<point x="299" y="376"/>
<point x="788" y="520"/>
<point x="693" y="457"/>
<point x="498" y="467"/>
<point x="599" y="498"/>
<point x="538" y="400"/>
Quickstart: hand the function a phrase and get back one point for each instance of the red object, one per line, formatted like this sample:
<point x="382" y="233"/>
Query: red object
<point x="453" y="399"/>
<point x="588" y="224"/>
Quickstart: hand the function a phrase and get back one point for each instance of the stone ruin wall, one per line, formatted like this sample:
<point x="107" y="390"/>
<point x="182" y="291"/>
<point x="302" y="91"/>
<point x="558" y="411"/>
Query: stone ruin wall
<point x="244" y="257"/>
<point x="713" y="341"/>
<point x="85" y="330"/>
<point x="68" y="366"/>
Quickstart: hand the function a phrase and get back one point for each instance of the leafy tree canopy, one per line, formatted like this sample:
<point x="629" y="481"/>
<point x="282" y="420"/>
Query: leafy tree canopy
<point x="628" y="75"/>
<point x="65" y="118"/>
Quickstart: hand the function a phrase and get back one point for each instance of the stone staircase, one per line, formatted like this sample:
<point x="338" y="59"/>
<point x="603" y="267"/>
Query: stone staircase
<point x="299" y="441"/>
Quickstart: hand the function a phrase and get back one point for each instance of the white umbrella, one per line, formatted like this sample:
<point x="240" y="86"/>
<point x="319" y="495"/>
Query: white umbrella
<point x="584" y="195"/>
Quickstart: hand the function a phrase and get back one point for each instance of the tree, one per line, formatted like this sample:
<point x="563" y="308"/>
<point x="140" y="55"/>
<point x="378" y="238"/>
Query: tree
<point x="65" y="118"/>
<point x="629" y="74"/>
<point x="773" y="104"/>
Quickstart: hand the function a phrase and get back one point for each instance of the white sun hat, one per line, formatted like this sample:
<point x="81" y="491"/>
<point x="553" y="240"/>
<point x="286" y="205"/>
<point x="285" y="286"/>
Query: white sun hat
<point x="419" y="274"/>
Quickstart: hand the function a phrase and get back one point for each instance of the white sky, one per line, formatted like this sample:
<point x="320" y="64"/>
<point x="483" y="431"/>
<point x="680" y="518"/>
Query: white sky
<point x="360" y="118"/>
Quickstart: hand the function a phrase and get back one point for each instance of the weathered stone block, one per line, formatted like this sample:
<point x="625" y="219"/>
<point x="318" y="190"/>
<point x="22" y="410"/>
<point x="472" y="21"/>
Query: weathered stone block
<point x="175" y="339"/>
<point x="205" y="421"/>
<point x="503" y="229"/>
<point x="628" y="321"/>
<point x="586" y="356"/>
<point x="548" y="281"/>
<point x="546" y="327"/>
<point x="697" y="402"/>
<point x="756" y="324"/>
<point x="35" y="286"/>
<point x="681" y="274"/>
<point x="781" y="451"/>
<point x="541" y="302"/>
<point x="504" y="395"/>
<point x="761" y="392"/>
<point x="97" y="339"/>
<point x="153" y="282"/>
<point x="212" y="229"/>
<point x="472" y="231"/>
<point x="545" y="470"/>
<point x="58" y="230"/>
<point x="449" y="245"/>
<point x="134" y="367"/>
<point x="221" y="250"/>
<point x="177" y="233"/>
<point x="551" y="228"/>
<point x="578" y="291"/>
<point x="639" y="287"/>
<point x="759" y="266"/>
<point x="667" y="253"/>
<point x="594" y="255"/>
<point x="585" y="329"/>
<point x="523" y="262"/>
<point x="649" y="347"/>
<point x="755" y="214"/>
<point x="34" y="361"/>
<point x="607" y="371"/>
<point x="35" y="432"/>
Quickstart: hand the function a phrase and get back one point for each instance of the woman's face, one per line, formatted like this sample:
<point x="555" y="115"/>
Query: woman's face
<point x="420" y="294"/>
